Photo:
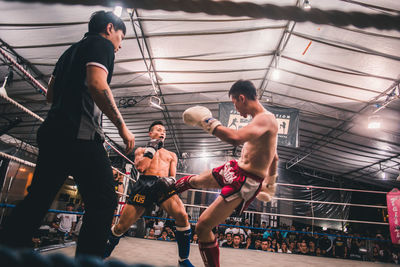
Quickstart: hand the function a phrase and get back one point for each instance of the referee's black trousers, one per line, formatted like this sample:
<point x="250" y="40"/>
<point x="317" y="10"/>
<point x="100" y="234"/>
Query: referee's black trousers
<point x="88" y="163"/>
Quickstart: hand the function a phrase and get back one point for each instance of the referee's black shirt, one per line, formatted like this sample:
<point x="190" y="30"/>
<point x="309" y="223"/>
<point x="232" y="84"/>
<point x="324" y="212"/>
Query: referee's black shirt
<point x="73" y="114"/>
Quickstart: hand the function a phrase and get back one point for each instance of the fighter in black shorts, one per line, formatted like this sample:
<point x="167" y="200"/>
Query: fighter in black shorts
<point x="158" y="169"/>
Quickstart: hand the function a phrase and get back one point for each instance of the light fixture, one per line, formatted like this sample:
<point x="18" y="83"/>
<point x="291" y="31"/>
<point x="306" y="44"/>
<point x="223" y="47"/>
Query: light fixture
<point x="118" y="11"/>
<point x="306" y="5"/>
<point x="383" y="174"/>
<point x="129" y="10"/>
<point x="275" y="74"/>
<point x="374" y="122"/>
<point x="155" y="102"/>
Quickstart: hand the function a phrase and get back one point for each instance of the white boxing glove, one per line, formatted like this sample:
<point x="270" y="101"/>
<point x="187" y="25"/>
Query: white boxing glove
<point x="200" y="116"/>
<point x="268" y="189"/>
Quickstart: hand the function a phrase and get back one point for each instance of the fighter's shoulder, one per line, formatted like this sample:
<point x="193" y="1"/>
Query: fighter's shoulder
<point x="265" y="117"/>
<point x="172" y="154"/>
<point x="139" y="150"/>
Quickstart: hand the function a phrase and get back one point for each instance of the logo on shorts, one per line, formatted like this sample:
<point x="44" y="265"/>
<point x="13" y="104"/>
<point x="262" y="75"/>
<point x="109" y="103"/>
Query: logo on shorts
<point x="139" y="198"/>
<point x="228" y="173"/>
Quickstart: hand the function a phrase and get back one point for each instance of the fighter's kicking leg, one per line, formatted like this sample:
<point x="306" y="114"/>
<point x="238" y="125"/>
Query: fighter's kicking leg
<point x="174" y="207"/>
<point x="203" y="180"/>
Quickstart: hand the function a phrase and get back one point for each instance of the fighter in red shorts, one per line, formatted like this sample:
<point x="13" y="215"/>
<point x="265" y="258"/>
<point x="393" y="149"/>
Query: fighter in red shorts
<point x="241" y="181"/>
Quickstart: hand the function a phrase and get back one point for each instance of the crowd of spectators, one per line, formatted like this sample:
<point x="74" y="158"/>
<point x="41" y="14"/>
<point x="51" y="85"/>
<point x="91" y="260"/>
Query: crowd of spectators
<point x="289" y="240"/>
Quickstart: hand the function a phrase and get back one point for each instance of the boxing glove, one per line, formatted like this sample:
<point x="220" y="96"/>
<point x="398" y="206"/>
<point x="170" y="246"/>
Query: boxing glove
<point x="200" y="116"/>
<point x="152" y="146"/>
<point x="268" y="189"/>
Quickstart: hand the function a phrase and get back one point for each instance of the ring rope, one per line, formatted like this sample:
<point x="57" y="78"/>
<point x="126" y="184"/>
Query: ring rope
<point x="192" y="221"/>
<point x="240" y="9"/>
<point x="125" y="175"/>
<point x="305" y="200"/>
<point x="38" y="85"/>
<point x="316" y="187"/>
<point x="298" y="216"/>
<point x="25" y="162"/>
<point x="18" y="105"/>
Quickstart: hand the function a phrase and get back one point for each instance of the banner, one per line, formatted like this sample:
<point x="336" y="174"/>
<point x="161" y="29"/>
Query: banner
<point x="288" y="122"/>
<point x="393" y="206"/>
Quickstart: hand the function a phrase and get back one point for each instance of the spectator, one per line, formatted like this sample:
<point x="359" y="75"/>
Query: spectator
<point x="318" y="252"/>
<point x="79" y="218"/>
<point x="274" y="246"/>
<point x="170" y="223"/>
<point x="325" y="245"/>
<point x="170" y="233"/>
<point x="265" y="245"/>
<point x="158" y="226"/>
<point x="339" y="248"/>
<point x="354" y="250"/>
<point x="246" y="230"/>
<point x="195" y="239"/>
<point x="65" y="223"/>
<point x="311" y="248"/>
<point x="303" y="249"/>
<point x="284" y="248"/>
<point x="228" y="242"/>
<point x="258" y="231"/>
<point x="292" y="235"/>
<point x="238" y="230"/>
<point x="267" y="234"/>
<point x="375" y="254"/>
<point x="164" y="236"/>
<point x="256" y="244"/>
<point x="293" y="247"/>
<point x="151" y="234"/>
<point x="236" y="242"/>
<point x="229" y="229"/>
<point x="278" y="236"/>
<point x="248" y="242"/>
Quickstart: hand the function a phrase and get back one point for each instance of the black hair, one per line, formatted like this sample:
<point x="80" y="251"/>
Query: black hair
<point x="155" y="123"/>
<point x="243" y="87"/>
<point x="100" y="19"/>
<point x="70" y="205"/>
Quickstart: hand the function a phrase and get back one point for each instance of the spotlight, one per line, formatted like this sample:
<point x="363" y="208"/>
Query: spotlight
<point x="275" y="74"/>
<point x="118" y="11"/>
<point x="155" y="102"/>
<point x="383" y="175"/>
<point x="374" y="122"/>
<point x="306" y="5"/>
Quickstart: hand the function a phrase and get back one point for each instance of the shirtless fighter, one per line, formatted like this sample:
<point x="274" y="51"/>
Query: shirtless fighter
<point x="155" y="185"/>
<point x="241" y="181"/>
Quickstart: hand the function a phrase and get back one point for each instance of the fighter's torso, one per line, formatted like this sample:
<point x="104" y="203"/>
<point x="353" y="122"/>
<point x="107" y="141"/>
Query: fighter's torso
<point x="160" y="164"/>
<point x="257" y="154"/>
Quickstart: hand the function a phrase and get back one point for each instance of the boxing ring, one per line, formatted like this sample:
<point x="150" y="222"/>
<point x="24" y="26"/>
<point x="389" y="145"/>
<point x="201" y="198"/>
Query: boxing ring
<point x="163" y="253"/>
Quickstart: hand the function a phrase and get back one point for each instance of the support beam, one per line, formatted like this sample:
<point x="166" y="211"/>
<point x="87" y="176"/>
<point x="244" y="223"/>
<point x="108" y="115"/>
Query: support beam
<point x="148" y="61"/>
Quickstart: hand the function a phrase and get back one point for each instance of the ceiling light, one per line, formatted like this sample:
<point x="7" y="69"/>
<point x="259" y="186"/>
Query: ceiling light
<point x="155" y="102"/>
<point x="306" y="5"/>
<point x="118" y="11"/>
<point x="275" y="74"/>
<point x="374" y="122"/>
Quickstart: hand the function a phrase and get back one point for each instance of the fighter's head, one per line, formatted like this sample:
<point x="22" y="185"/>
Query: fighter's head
<point x="241" y="93"/>
<point x="157" y="130"/>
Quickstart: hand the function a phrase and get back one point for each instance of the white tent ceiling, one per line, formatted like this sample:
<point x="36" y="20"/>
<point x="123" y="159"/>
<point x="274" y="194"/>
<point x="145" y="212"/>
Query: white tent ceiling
<point x="335" y="83"/>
